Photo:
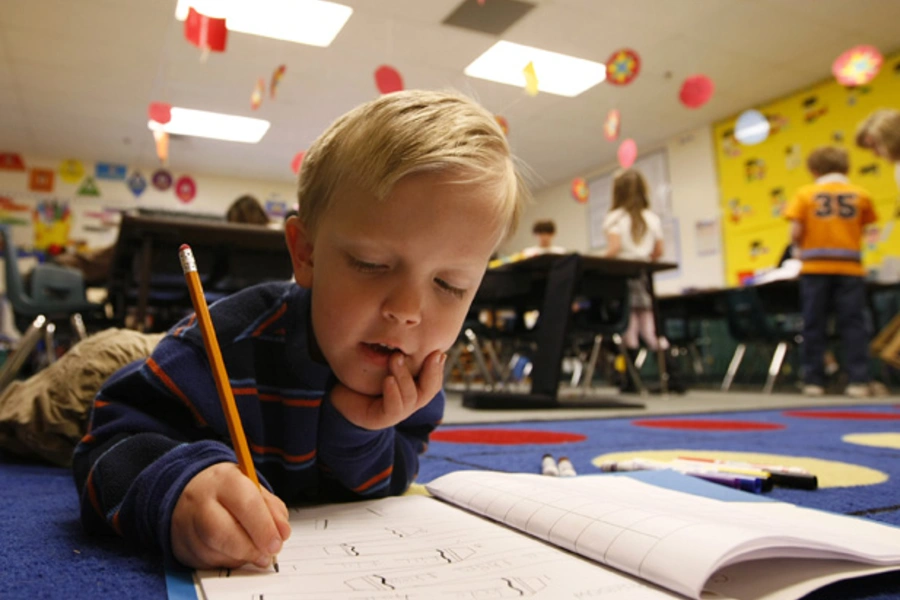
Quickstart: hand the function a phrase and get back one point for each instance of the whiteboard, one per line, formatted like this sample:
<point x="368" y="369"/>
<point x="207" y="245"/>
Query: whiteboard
<point x="655" y="169"/>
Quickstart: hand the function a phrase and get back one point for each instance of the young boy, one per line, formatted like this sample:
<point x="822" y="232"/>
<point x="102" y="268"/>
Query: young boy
<point x="828" y="218"/>
<point x="337" y="377"/>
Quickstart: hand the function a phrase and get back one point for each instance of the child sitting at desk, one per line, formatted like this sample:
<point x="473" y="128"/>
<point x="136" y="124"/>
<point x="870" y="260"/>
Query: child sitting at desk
<point x="827" y="221"/>
<point x="337" y="376"/>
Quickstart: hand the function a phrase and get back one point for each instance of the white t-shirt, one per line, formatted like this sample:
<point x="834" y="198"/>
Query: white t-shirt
<point x="618" y="221"/>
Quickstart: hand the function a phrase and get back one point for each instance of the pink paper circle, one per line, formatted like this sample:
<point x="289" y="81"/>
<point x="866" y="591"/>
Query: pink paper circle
<point x="297" y="162"/>
<point x="696" y="91"/>
<point x="160" y="112"/>
<point x="185" y="189"/>
<point x="627" y="153"/>
<point x="388" y="79"/>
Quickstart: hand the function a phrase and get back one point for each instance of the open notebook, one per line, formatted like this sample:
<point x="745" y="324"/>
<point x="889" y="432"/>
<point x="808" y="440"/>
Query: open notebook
<point x="606" y="536"/>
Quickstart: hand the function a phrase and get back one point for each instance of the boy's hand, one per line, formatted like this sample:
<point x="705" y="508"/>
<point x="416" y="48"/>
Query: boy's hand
<point x="222" y="520"/>
<point x="401" y="394"/>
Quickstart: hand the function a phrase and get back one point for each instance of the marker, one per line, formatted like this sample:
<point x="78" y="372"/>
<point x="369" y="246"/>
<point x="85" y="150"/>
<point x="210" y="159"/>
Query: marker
<point x="548" y="466"/>
<point x="767" y="481"/>
<point x="792" y="477"/>
<point x="566" y="468"/>
<point x="735" y="480"/>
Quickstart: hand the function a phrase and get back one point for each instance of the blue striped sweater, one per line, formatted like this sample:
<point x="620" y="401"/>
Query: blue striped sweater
<point x="158" y="422"/>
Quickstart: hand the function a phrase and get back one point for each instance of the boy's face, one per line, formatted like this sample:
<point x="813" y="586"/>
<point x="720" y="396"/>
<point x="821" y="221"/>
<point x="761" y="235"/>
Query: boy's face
<point x="396" y="275"/>
<point x="545" y="240"/>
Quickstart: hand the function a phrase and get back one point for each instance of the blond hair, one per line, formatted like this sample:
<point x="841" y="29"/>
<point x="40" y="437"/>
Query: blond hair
<point x="247" y="209"/>
<point x="864" y="138"/>
<point x="630" y="194"/>
<point x="885" y="129"/>
<point x="828" y="159"/>
<point x="379" y="143"/>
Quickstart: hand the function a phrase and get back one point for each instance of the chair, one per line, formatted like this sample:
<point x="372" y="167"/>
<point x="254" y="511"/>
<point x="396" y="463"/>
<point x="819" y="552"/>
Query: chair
<point x="58" y="295"/>
<point x="749" y="323"/>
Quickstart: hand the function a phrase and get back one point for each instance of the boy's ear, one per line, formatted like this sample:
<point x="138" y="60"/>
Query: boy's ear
<point x="300" y="246"/>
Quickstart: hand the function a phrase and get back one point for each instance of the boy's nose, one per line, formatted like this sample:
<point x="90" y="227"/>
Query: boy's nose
<point x="403" y="305"/>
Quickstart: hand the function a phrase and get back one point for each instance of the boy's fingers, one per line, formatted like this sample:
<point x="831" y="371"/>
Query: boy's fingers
<point x="405" y="382"/>
<point x="431" y="378"/>
<point x="280" y="513"/>
<point x="245" y="503"/>
<point x="222" y="541"/>
<point x="392" y="399"/>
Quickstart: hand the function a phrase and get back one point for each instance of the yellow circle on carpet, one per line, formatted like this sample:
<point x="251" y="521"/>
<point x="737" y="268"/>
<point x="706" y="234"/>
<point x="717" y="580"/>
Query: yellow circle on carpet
<point x="830" y="473"/>
<point x="878" y="440"/>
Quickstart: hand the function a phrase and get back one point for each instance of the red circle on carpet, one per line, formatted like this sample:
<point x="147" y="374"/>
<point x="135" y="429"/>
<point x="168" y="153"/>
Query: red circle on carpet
<point x="504" y="437"/>
<point x="853" y="415"/>
<point x="708" y="425"/>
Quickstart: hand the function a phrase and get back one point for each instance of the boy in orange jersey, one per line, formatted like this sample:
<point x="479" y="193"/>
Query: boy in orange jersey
<point x="828" y="218"/>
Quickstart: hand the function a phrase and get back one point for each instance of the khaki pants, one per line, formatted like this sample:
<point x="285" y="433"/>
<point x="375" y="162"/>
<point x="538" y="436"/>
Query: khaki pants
<point x="45" y="415"/>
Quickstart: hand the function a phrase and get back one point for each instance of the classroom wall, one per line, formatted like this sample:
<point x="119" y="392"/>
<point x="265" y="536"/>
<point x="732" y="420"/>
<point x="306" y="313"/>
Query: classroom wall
<point x="50" y="202"/>
<point x="694" y="195"/>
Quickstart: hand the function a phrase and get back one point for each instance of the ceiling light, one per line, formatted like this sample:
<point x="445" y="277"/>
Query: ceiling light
<point x="312" y="22"/>
<point x="200" y="123"/>
<point x="556" y="73"/>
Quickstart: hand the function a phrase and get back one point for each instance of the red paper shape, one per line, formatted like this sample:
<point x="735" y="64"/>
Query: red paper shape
<point x="857" y="66"/>
<point x="277" y="74"/>
<point x="580" y="190"/>
<point x="258" y="90"/>
<point x="40" y="180"/>
<point x="161" y="112"/>
<point x="206" y="33"/>
<point x="297" y="162"/>
<point x="696" y="91"/>
<point x="185" y="189"/>
<point x="622" y="66"/>
<point x="11" y="161"/>
<point x="611" y="125"/>
<point x="503" y="123"/>
<point x="627" y="153"/>
<point x="388" y="80"/>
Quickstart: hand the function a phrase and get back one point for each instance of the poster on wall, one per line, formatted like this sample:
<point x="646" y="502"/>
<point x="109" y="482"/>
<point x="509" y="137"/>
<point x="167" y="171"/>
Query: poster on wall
<point x="707" y="237"/>
<point x="756" y="182"/>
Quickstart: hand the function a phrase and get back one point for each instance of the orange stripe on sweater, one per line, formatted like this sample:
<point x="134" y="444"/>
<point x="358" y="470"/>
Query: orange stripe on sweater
<point x="292" y="458"/>
<point x="157" y="370"/>
<point x="270" y="320"/>
<point x="380" y="477"/>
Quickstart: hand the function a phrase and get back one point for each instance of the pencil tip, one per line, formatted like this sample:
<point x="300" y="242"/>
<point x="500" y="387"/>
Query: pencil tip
<point x="275" y="564"/>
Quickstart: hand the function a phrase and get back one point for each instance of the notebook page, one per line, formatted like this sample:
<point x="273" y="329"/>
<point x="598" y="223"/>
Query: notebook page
<point x="674" y="539"/>
<point x="417" y="548"/>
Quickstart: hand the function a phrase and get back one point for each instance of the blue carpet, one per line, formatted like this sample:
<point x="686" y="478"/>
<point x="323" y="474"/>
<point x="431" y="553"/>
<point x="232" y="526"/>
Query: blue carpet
<point x="45" y="553"/>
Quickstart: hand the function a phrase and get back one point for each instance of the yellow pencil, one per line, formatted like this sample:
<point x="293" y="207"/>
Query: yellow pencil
<point x="226" y="396"/>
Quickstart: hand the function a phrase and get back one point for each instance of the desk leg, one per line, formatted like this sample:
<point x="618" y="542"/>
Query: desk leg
<point x="144" y="282"/>
<point x="660" y="352"/>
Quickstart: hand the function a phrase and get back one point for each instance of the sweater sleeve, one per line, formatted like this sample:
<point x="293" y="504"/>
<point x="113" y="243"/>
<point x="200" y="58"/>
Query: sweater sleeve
<point x="373" y="464"/>
<point x="145" y="442"/>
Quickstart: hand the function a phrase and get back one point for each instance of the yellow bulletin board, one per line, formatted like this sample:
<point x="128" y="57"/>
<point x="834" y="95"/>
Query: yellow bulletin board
<point x="755" y="182"/>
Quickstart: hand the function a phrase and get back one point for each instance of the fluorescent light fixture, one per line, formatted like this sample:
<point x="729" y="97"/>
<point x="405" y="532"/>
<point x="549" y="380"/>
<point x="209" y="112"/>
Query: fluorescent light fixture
<point x="200" y="123"/>
<point x="313" y="22"/>
<point x="556" y="73"/>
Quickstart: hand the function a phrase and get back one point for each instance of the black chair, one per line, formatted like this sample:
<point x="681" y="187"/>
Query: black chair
<point x="750" y="323"/>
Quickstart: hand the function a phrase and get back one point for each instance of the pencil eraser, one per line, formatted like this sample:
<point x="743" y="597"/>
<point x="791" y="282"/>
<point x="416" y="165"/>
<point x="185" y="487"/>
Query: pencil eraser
<point x="183" y="247"/>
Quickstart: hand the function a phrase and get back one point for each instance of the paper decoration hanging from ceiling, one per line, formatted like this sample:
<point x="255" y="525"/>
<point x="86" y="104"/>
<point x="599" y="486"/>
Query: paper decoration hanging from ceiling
<point x="207" y="33"/>
<point x="185" y="189"/>
<point x="857" y="66"/>
<point x="160" y="112"/>
<point x="136" y="183"/>
<point x="752" y="127"/>
<point x="696" y="91"/>
<point x="622" y="66"/>
<point x="503" y="123"/>
<point x="71" y="171"/>
<point x="531" y="80"/>
<point x="580" y="190"/>
<point x="297" y="162"/>
<point x="162" y="180"/>
<point x="277" y="76"/>
<point x="257" y="95"/>
<point x="627" y="153"/>
<point x="388" y="79"/>
<point x="611" y="125"/>
<point x="162" y="145"/>
<point x="11" y="161"/>
<point x="40" y="180"/>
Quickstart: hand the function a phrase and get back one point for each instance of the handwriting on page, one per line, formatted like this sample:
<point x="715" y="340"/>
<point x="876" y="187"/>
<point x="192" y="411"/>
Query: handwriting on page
<point x="416" y="548"/>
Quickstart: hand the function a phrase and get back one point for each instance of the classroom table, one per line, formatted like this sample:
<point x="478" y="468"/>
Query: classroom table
<point x="551" y="282"/>
<point x="230" y="256"/>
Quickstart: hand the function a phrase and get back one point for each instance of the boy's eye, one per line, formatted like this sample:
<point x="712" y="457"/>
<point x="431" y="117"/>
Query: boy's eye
<point x="364" y="266"/>
<point x="453" y="290"/>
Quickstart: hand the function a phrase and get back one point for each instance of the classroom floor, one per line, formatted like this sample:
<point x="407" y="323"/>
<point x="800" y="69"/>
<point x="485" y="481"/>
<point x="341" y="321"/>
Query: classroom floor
<point x="694" y="401"/>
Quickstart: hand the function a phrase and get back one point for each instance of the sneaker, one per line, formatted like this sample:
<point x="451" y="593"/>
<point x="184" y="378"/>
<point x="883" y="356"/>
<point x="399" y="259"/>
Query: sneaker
<point x="876" y="388"/>
<point x="857" y="390"/>
<point x="813" y="390"/>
